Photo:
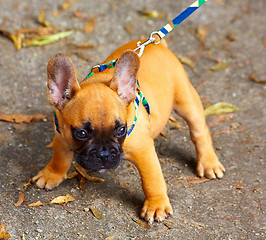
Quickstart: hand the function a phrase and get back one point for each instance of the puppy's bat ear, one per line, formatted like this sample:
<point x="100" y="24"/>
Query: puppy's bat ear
<point x="125" y="76"/>
<point x="62" y="83"/>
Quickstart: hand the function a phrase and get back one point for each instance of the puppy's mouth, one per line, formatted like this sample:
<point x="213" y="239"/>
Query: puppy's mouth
<point x="100" y="159"/>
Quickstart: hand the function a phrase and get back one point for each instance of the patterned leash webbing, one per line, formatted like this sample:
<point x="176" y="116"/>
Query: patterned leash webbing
<point x="140" y="47"/>
<point x="180" y="18"/>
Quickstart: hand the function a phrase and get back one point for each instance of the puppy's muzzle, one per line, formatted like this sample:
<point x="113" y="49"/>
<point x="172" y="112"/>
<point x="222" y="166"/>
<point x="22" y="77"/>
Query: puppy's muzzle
<point x="97" y="157"/>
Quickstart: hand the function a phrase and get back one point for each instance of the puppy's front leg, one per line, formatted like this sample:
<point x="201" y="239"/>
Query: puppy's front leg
<point x="157" y="205"/>
<point x="56" y="170"/>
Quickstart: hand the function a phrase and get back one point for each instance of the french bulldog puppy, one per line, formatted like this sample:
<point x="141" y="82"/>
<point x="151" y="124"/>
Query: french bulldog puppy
<point x="92" y="120"/>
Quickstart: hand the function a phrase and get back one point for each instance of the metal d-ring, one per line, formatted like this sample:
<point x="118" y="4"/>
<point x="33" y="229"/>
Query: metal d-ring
<point x="152" y="39"/>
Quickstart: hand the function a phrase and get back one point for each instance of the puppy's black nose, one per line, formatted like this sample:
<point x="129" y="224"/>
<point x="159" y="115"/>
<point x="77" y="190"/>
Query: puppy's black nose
<point x="104" y="155"/>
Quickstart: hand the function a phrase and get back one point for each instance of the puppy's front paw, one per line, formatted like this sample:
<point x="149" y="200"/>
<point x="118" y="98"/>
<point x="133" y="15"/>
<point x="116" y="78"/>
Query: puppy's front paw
<point x="48" y="179"/>
<point x="210" y="167"/>
<point x="157" y="208"/>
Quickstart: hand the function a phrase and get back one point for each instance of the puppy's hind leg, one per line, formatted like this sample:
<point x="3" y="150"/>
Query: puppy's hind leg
<point x="188" y="105"/>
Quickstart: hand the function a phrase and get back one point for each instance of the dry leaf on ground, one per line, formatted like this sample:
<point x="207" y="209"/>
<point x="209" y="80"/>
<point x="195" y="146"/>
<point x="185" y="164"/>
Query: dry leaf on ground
<point x="89" y="26"/>
<point x="201" y="34"/>
<point x="44" y="40"/>
<point x="174" y="123"/>
<point x="141" y="223"/>
<point x="254" y="78"/>
<point x="96" y="213"/>
<point x="187" y="61"/>
<point x="152" y="14"/>
<point x="72" y="175"/>
<point x="21" y="197"/>
<point x="20" y="118"/>
<point x="220" y="108"/>
<point x="3" y="233"/>
<point x="62" y="199"/>
<point x="42" y="20"/>
<point x="36" y="204"/>
<point x="219" y="66"/>
<point x="194" y="180"/>
<point x="83" y="173"/>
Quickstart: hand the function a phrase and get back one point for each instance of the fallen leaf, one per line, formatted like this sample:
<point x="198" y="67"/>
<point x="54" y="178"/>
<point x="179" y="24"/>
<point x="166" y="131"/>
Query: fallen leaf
<point x="44" y="40"/>
<point x="17" y="39"/>
<point x="129" y="29"/>
<point x="36" y="204"/>
<point x="89" y="26"/>
<point x="72" y="175"/>
<point x="220" y="108"/>
<point x="20" y="118"/>
<point x="41" y="20"/>
<point x="96" y="213"/>
<point x="50" y="145"/>
<point x="201" y="34"/>
<point x="82" y="46"/>
<point x="219" y="66"/>
<point x="174" y="123"/>
<point x="62" y="199"/>
<point x="231" y="37"/>
<point x="82" y="171"/>
<point x="64" y="6"/>
<point x="239" y="187"/>
<point x="194" y="180"/>
<point x="20" y="199"/>
<point x="41" y="31"/>
<point x="169" y="226"/>
<point x="141" y="223"/>
<point x="3" y="233"/>
<point x="254" y="78"/>
<point x="187" y="61"/>
<point x="152" y="14"/>
<point x="163" y="133"/>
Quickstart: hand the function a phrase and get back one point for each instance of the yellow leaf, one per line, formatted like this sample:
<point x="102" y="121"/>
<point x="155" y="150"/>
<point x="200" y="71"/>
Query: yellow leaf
<point x="220" y="108"/>
<point x="96" y="213"/>
<point x="141" y="223"/>
<point x="89" y="26"/>
<point x="62" y="199"/>
<point x="17" y="40"/>
<point x="201" y="34"/>
<point x="44" y="40"/>
<point x="4" y="235"/>
<point x="152" y="14"/>
<point x="36" y="204"/>
<point x="83" y="173"/>
<point x="72" y="175"/>
<point x="187" y="61"/>
<point x="41" y="19"/>
<point x="219" y="66"/>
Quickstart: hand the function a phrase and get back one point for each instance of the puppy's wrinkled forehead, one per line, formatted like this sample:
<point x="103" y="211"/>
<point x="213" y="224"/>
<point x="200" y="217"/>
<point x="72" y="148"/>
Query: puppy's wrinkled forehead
<point x="97" y="104"/>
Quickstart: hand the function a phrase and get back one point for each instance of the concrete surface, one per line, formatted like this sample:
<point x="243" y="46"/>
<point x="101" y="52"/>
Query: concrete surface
<point x="231" y="208"/>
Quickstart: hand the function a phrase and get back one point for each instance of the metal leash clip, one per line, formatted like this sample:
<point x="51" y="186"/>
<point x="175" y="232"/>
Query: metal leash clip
<point x="141" y="46"/>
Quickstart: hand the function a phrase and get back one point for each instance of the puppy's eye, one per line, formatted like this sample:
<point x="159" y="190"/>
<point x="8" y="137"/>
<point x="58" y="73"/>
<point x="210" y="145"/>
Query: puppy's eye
<point x="81" y="134"/>
<point x="121" y="131"/>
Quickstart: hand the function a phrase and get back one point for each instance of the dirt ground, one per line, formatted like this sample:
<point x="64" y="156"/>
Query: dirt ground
<point x="224" y="42"/>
